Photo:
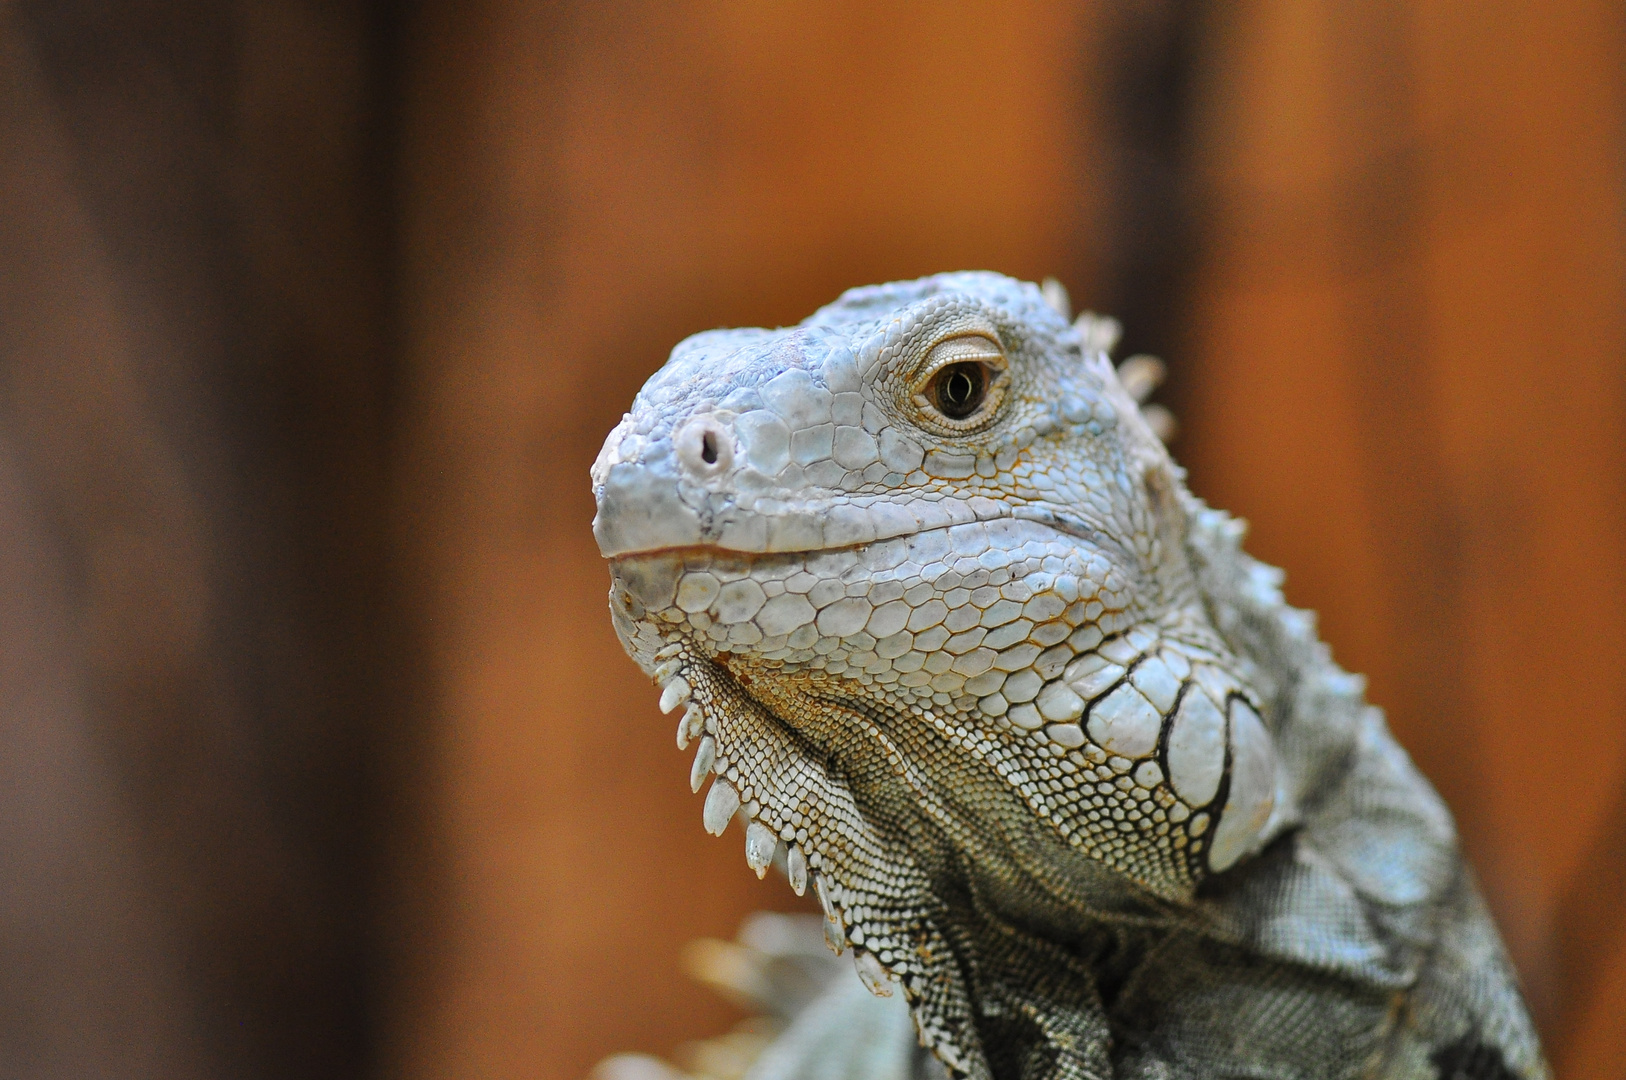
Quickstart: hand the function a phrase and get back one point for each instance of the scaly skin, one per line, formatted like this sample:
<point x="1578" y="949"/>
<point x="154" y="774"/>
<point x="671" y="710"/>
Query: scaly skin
<point x="1054" y="754"/>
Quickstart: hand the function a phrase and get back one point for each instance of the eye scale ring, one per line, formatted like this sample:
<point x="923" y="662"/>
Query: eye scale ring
<point x="960" y="384"/>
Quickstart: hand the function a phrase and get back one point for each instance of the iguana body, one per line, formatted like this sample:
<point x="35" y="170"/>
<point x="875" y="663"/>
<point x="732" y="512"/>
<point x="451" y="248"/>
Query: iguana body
<point x="1053" y="752"/>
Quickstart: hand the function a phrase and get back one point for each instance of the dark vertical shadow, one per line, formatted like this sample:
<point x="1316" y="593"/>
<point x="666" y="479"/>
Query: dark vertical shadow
<point x="1588" y="927"/>
<point x="1148" y="228"/>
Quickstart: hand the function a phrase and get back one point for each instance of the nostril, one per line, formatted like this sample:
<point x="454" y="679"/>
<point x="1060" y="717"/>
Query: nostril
<point x="704" y="447"/>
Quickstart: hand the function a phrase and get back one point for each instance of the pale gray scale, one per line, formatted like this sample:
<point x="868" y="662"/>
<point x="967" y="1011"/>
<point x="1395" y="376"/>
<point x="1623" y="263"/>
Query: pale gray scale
<point x="975" y="663"/>
<point x="845" y="525"/>
<point x="931" y="548"/>
<point x="1009" y="634"/>
<point x="738" y="601"/>
<point x="1216" y="681"/>
<point x="828" y="473"/>
<point x="826" y="592"/>
<point x="847" y="407"/>
<point x="813" y="444"/>
<point x="1252" y="794"/>
<point x="1082" y="640"/>
<point x="1017" y="591"/>
<point x="1049" y="634"/>
<point x="1018" y="656"/>
<point x="785" y="613"/>
<point x="987" y="683"/>
<point x="894" y="645"/>
<point x="927" y="614"/>
<point x="1058" y="702"/>
<point x="696" y="590"/>
<point x="1052" y="661"/>
<point x="798" y="399"/>
<point x="992" y="561"/>
<point x="801" y="582"/>
<point x="1023" y="685"/>
<point x="1125" y="722"/>
<point x="1177" y="663"/>
<point x="1025" y="716"/>
<point x="765" y="441"/>
<point x="886" y="590"/>
<point x="1195" y="750"/>
<point x="1153" y="678"/>
<point x="1044" y="607"/>
<point x="898" y="451"/>
<point x="1001" y="611"/>
<point x="1119" y="650"/>
<point x="1092" y="675"/>
<point x="854" y="448"/>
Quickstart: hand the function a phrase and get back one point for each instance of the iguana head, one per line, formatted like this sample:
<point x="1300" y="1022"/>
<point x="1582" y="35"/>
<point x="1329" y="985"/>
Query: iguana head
<point x="916" y="572"/>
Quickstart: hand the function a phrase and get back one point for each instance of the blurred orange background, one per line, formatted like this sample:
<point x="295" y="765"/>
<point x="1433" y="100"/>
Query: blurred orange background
<point x="320" y="757"/>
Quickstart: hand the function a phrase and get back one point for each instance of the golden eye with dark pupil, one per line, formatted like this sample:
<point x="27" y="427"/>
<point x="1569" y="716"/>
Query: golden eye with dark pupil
<point x="958" y="389"/>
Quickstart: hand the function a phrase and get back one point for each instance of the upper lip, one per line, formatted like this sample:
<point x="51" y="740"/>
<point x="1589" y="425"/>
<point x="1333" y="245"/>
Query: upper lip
<point x="1040" y="513"/>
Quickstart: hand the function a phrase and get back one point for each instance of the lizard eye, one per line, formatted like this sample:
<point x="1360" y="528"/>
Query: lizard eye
<point x="961" y="383"/>
<point x="958" y="389"/>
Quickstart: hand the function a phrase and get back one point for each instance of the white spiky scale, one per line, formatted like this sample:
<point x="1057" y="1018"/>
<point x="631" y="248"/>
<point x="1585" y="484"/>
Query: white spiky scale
<point x="722" y="802"/>
<point x="760" y="845"/>
<point x="704" y="758"/>
<point x="796" y="870"/>
<point x="674" y="693"/>
<point x="835" y="933"/>
<point x="871" y="973"/>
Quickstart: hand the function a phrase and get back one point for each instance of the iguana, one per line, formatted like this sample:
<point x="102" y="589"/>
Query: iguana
<point x="952" y="637"/>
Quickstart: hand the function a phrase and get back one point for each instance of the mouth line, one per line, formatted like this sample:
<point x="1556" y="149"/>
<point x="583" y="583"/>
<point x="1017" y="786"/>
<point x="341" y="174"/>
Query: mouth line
<point x="1037" y="513"/>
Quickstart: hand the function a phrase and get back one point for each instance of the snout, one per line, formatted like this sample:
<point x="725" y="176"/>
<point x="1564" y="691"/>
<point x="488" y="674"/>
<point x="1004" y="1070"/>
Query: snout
<point x="665" y="491"/>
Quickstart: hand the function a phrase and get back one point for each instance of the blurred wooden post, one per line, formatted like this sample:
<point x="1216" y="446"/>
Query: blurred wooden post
<point x="1408" y="374"/>
<point x="192" y="615"/>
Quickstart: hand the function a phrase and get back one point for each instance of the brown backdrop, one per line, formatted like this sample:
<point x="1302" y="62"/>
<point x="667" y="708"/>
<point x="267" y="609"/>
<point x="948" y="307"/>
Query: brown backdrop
<point x="319" y="757"/>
